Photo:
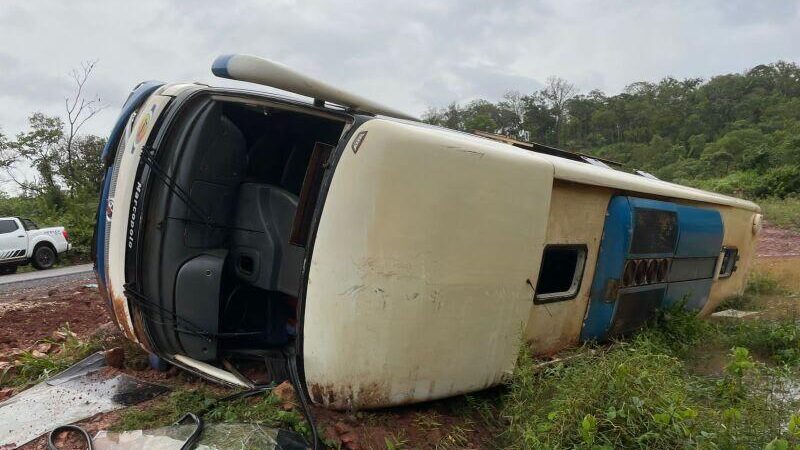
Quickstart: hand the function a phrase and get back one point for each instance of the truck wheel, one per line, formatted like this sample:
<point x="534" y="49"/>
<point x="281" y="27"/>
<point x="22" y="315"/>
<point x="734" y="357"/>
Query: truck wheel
<point x="43" y="258"/>
<point x="9" y="269"/>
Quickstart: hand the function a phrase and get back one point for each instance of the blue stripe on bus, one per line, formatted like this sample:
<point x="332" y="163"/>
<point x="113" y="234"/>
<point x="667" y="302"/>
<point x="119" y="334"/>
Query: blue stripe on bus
<point x="134" y="101"/>
<point x="220" y="66"/>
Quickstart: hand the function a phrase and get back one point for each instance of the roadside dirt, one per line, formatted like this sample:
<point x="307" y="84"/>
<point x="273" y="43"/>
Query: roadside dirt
<point x="32" y="315"/>
<point x="777" y="242"/>
<point x="451" y="423"/>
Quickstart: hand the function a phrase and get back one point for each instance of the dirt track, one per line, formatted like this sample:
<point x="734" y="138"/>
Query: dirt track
<point x="32" y="314"/>
<point x="777" y="242"/>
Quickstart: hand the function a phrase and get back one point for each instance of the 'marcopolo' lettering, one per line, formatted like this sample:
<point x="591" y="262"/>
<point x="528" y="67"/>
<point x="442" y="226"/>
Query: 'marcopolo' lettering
<point x="134" y="207"/>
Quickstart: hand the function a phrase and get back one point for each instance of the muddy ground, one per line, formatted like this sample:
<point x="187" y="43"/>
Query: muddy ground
<point x="31" y="315"/>
<point x="32" y="312"/>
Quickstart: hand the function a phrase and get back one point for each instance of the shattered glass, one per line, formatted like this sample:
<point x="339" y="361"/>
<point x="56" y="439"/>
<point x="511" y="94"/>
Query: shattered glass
<point x="220" y="436"/>
<point x="78" y="393"/>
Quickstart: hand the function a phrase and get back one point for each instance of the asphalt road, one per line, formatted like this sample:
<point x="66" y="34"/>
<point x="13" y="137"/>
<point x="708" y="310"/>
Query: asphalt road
<point x="39" y="278"/>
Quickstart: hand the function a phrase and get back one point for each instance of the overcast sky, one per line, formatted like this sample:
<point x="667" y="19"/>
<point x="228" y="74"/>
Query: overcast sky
<point x="407" y="54"/>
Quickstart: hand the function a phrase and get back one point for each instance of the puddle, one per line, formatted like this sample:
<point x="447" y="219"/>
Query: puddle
<point x="708" y="361"/>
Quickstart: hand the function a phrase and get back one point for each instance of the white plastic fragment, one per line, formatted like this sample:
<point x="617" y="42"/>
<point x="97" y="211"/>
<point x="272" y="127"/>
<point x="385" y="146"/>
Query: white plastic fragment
<point x="735" y="313"/>
<point x="79" y="392"/>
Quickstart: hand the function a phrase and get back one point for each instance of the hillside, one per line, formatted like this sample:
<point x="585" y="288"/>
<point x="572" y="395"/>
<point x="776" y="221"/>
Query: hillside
<point x="735" y="133"/>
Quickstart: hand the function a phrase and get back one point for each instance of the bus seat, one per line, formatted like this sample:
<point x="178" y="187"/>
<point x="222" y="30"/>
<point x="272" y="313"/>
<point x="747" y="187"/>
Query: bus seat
<point x="260" y="251"/>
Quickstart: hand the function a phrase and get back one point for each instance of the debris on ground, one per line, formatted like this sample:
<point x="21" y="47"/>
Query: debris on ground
<point x="285" y="393"/>
<point x="115" y="357"/>
<point x="344" y="435"/>
<point x="221" y="436"/>
<point x="735" y="314"/>
<point x="34" y="315"/>
<point x="80" y="392"/>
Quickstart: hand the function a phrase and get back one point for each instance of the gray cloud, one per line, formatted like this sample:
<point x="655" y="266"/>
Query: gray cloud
<point x="411" y="54"/>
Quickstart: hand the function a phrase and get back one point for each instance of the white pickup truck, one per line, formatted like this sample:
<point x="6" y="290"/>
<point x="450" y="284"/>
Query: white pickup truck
<point x="23" y="242"/>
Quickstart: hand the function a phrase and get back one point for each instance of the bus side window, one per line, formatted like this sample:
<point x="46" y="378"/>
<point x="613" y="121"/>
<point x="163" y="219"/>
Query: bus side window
<point x="561" y="273"/>
<point x="730" y="255"/>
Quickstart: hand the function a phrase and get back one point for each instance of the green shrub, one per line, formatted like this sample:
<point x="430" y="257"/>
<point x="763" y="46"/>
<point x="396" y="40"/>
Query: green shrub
<point x="780" y="182"/>
<point x="784" y="212"/>
<point x="77" y="215"/>
<point x="627" y="397"/>
<point x="639" y="394"/>
<point x="732" y="387"/>
<point x="778" y="341"/>
<point x="762" y="283"/>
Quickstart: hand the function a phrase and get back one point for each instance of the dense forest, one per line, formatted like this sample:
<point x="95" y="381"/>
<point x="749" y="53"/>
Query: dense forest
<point x="736" y="133"/>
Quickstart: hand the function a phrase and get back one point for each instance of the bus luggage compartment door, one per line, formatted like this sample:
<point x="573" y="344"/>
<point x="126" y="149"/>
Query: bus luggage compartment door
<point x="652" y="254"/>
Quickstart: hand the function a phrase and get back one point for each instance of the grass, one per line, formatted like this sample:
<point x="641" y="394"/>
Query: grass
<point x="763" y="283"/>
<point x="262" y="409"/>
<point x="759" y="283"/>
<point x="776" y="341"/>
<point x="642" y="393"/>
<point x="742" y="302"/>
<point x="395" y="441"/>
<point x="645" y="392"/>
<point x="784" y="213"/>
<point x="31" y="370"/>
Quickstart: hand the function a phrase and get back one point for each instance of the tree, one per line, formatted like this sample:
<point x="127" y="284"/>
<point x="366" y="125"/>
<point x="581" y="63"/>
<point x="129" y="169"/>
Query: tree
<point x="6" y="156"/>
<point x="54" y="147"/>
<point x="721" y="161"/>
<point x="39" y="147"/>
<point x="512" y="112"/>
<point x="742" y="124"/>
<point x="79" y="110"/>
<point x="556" y="93"/>
<point x="539" y="123"/>
<point x="87" y="166"/>
<point x="57" y="170"/>
<point x="448" y="117"/>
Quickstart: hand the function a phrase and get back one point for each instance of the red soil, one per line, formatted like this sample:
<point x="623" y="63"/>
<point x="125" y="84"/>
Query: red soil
<point x="777" y="242"/>
<point x="33" y="315"/>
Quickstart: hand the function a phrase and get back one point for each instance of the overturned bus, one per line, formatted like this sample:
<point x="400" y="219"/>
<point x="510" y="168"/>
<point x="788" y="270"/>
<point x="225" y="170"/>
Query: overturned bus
<point x="391" y="261"/>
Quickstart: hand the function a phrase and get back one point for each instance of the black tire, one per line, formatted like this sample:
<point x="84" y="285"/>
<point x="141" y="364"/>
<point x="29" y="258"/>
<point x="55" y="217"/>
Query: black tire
<point x="43" y="257"/>
<point x="8" y="270"/>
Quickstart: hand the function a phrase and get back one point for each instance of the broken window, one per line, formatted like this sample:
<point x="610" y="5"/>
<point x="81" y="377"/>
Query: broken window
<point x="560" y="273"/>
<point x="729" y="257"/>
